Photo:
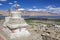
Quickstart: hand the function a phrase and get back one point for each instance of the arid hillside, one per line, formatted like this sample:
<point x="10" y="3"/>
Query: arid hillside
<point x="39" y="13"/>
<point x="31" y="13"/>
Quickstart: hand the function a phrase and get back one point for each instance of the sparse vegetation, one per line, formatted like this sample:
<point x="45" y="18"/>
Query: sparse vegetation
<point x="1" y="18"/>
<point x="30" y="20"/>
<point x="54" y="19"/>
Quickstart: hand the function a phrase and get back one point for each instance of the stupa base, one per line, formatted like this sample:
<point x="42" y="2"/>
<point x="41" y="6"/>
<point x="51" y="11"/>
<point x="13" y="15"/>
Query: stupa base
<point x="20" y="33"/>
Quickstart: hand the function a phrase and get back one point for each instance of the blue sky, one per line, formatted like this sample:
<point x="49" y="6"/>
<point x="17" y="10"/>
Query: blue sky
<point x="50" y="5"/>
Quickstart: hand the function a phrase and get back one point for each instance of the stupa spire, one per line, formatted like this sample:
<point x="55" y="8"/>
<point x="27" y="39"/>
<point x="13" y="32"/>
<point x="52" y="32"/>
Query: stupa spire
<point x="16" y="6"/>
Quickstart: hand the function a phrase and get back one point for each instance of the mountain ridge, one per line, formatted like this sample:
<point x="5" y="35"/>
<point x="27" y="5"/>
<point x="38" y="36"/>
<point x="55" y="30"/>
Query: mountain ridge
<point x="31" y="13"/>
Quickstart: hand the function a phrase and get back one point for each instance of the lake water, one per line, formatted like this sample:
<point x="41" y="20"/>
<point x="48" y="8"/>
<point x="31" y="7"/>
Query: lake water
<point x="36" y="16"/>
<point x="41" y="16"/>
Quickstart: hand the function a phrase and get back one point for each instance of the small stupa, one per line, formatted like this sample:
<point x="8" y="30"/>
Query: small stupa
<point x="15" y="25"/>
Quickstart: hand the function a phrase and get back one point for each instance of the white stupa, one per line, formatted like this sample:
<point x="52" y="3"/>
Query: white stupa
<point x="16" y="25"/>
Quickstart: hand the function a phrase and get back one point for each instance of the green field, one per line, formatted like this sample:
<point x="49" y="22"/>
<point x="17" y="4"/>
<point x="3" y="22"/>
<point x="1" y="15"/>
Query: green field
<point x="30" y="20"/>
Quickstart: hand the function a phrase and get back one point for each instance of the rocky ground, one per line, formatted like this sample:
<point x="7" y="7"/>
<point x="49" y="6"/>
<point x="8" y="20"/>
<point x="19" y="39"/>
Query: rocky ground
<point x="38" y="32"/>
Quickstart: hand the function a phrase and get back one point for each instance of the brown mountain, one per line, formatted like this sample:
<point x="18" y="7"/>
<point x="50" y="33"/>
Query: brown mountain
<point x="32" y="13"/>
<point x="39" y="13"/>
<point x="3" y="13"/>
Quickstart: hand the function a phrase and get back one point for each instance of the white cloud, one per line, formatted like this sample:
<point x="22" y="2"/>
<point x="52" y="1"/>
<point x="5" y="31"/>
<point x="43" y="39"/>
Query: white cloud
<point x="10" y="3"/>
<point x="3" y="0"/>
<point x="30" y="9"/>
<point x="21" y="9"/>
<point x="42" y="10"/>
<point x="50" y="6"/>
<point x="36" y="9"/>
<point x="53" y="9"/>
<point x="15" y="1"/>
<point x="34" y="6"/>
<point x="1" y="4"/>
